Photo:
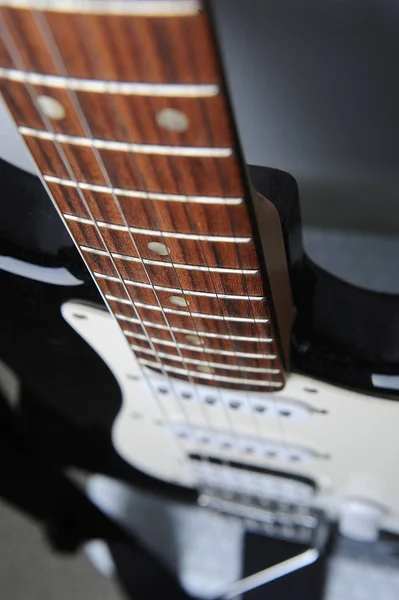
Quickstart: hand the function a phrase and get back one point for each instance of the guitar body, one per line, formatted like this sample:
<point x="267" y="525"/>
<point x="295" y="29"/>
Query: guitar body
<point x="300" y="425"/>
<point x="355" y="464"/>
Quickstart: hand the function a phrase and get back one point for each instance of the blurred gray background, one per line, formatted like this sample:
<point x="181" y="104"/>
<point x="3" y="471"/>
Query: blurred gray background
<point x="29" y="570"/>
<point x="316" y="93"/>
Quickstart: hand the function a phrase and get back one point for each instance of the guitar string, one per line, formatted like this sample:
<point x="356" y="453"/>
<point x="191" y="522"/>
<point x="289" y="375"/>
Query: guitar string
<point x="257" y="420"/>
<point x="221" y="180"/>
<point x="216" y="390"/>
<point x="276" y="403"/>
<point x="233" y="426"/>
<point x="203" y="253"/>
<point x="204" y="408"/>
<point x="52" y="46"/>
<point x="99" y="160"/>
<point x="248" y="394"/>
<point x="18" y="61"/>
<point x="193" y="226"/>
<point x="216" y="293"/>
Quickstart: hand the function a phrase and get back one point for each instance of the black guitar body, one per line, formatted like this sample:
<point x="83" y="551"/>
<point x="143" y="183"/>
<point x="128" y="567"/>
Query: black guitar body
<point x="342" y="334"/>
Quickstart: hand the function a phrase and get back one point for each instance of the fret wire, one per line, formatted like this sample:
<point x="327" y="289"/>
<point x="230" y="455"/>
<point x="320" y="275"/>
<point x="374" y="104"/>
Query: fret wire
<point x="43" y="25"/>
<point x="159" y="263"/>
<point x="137" y="8"/>
<point x="172" y="311"/>
<point x="124" y="88"/>
<point x="245" y="355"/>
<point x="75" y="140"/>
<point x="142" y="337"/>
<point x="167" y="234"/>
<point x="6" y="35"/>
<point x="185" y="292"/>
<point x="213" y="377"/>
<point x="95" y="251"/>
<point x="180" y="236"/>
<point x="143" y="195"/>
<point x="83" y="220"/>
<point x="119" y="300"/>
<point x="215" y="365"/>
<point x="221" y="336"/>
<point x="213" y="351"/>
<point x="161" y="288"/>
<point x="185" y="313"/>
<point x="110" y="277"/>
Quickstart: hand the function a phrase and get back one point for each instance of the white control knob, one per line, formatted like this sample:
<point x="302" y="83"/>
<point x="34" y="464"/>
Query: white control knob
<point x="360" y="520"/>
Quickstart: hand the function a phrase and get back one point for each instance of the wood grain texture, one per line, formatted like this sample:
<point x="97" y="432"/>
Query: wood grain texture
<point x="143" y="49"/>
<point x="182" y="217"/>
<point x="155" y="50"/>
<point x="227" y="345"/>
<point x="197" y="304"/>
<point x="126" y="118"/>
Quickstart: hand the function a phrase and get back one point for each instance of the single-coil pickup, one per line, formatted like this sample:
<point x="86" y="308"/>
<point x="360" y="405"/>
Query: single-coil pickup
<point x="221" y="443"/>
<point x="271" y="406"/>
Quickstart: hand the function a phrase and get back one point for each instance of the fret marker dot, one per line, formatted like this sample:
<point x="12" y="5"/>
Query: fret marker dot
<point x="178" y="301"/>
<point x="172" y="119"/>
<point x="51" y="107"/>
<point x="205" y="369"/>
<point x="193" y="339"/>
<point x="158" y="248"/>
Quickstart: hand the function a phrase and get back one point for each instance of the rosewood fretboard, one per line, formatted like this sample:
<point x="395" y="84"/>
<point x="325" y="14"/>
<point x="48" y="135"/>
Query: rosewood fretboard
<point x="123" y="107"/>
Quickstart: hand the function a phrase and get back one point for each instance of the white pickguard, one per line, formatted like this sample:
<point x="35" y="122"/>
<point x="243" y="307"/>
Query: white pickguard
<point x="348" y="443"/>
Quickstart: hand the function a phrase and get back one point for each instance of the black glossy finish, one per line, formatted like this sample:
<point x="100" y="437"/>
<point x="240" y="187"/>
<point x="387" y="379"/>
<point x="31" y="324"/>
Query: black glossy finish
<point x="34" y="482"/>
<point x="72" y="400"/>
<point x="30" y="227"/>
<point x="342" y="333"/>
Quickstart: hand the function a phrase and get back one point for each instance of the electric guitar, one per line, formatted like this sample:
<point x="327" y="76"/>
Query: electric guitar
<point x="246" y="372"/>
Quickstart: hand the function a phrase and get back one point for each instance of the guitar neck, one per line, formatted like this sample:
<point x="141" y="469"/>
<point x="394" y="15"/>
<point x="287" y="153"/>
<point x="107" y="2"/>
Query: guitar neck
<point x="124" y="109"/>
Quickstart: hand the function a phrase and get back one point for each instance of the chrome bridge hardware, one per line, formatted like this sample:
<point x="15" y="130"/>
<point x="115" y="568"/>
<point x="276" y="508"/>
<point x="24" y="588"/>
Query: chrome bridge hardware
<point x="299" y="524"/>
<point x="249" y="481"/>
<point x="269" y="574"/>
<point x="295" y="523"/>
